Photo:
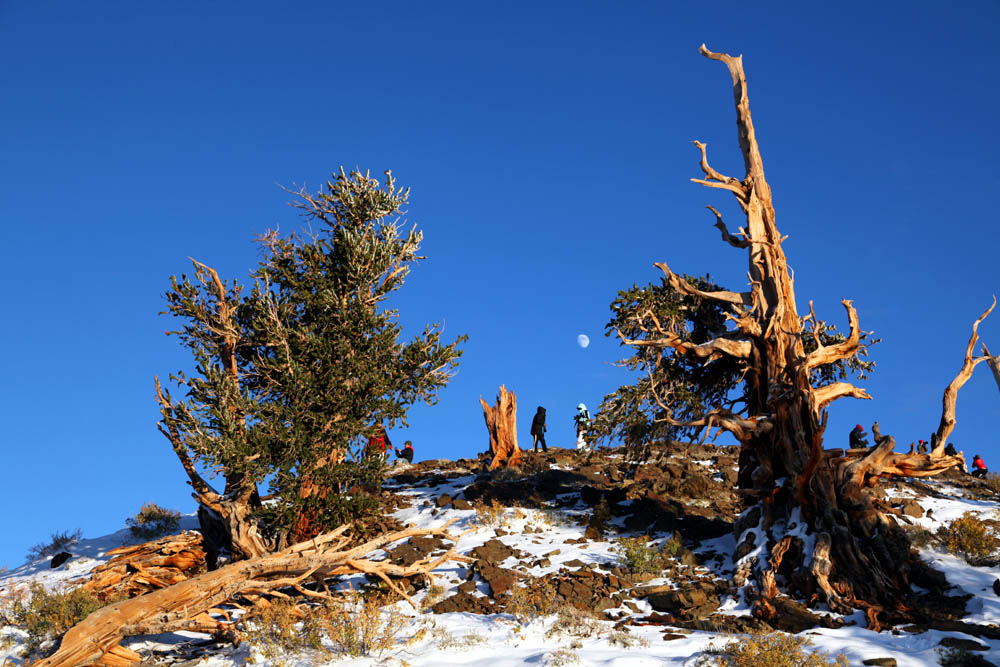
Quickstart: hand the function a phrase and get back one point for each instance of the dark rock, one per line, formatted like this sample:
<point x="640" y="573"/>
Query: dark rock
<point x="593" y="532"/>
<point x="467" y="587"/>
<point x="746" y="521"/>
<point x="493" y="552"/>
<point x="443" y="500"/>
<point x="691" y="603"/>
<point x="996" y="586"/>
<point x="576" y="562"/>
<point x="792" y="616"/>
<point x="963" y="644"/>
<point x="912" y="508"/>
<point x="500" y="580"/>
<point x="60" y="558"/>
<point x="461" y="504"/>
<point x="670" y="636"/>
<point x="880" y="662"/>
<point x="462" y="602"/>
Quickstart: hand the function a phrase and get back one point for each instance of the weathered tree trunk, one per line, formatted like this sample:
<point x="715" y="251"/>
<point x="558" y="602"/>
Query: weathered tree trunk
<point x="850" y="553"/>
<point x="189" y="605"/>
<point x="501" y="422"/>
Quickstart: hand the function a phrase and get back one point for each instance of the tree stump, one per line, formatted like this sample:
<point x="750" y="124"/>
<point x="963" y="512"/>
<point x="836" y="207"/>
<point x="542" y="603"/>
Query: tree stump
<point x="501" y="422"/>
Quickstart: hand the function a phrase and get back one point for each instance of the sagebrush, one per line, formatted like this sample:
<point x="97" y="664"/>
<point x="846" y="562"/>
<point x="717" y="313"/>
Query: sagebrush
<point x="770" y="649"/>
<point x="153" y="521"/>
<point x="970" y="537"/>
<point x="639" y="555"/>
<point x="46" y="615"/>
<point x="58" y="542"/>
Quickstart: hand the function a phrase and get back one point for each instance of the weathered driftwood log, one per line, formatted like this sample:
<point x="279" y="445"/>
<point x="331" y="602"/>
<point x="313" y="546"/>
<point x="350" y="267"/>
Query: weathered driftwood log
<point x="501" y="422"/>
<point x="141" y="568"/>
<point x="190" y="604"/>
<point x="994" y="364"/>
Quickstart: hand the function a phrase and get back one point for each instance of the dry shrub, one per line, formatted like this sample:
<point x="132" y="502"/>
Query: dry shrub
<point x="492" y="514"/>
<point x="282" y="627"/>
<point x="771" y="649"/>
<point x="434" y="595"/>
<point x="561" y="658"/>
<point x="573" y="622"/>
<point x="528" y="603"/>
<point x="554" y="517"/>
<point x="960" y="657"/>
<point x="445" y="640"/>
<point x="361" y="625"/>
<point x="59" y="542"/>
<point x="623" y="638"/>
<point x="153" y="521"/>
<point x="969" y="537"/>
<point x="637" y="555"/>
<point x="47" y="615"/>
<point x="919" y="537"/>
<point x="992" y="480"/>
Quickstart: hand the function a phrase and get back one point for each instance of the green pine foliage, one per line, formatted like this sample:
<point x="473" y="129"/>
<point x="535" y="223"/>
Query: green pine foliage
<point x="673" y="387"/>
<point x="294" y="370"/>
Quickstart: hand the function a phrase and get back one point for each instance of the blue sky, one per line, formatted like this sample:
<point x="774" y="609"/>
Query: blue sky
<point x="548" y="147"/>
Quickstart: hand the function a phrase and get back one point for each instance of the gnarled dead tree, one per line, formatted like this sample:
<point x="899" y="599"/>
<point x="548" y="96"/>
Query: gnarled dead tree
<point x="194" y="604"/>
<point x="501" y="422"/>
<point x="809" y="514"/>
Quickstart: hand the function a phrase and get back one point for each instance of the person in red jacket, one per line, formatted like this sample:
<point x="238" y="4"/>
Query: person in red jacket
<point x="378" y="444"/>
<point x="979" y="468"/>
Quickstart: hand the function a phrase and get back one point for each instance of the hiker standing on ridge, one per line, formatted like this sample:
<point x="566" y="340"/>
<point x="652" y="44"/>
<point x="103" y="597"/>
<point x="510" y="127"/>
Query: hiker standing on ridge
<point x="979" y="468"/>
<point x="379" y="443"/>
<point x="857" y="438"/>
<point x="538" y="430"/>
<point x="950" y="449"/>
<point x="582" y="420"/>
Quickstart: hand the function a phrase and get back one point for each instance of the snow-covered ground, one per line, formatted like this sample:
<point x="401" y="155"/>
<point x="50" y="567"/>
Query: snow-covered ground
<point x="499" y="640"/>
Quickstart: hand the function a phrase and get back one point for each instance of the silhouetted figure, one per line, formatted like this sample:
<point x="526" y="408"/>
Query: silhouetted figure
<point x="922" y="447"/>
<point x="950" y="449"/>
<point x="858" y="438"/>
<point x="582" y="420"/>
<point x="913" y="448"/>
<point x="979" y="468"/>
<point x="538" y="430"/>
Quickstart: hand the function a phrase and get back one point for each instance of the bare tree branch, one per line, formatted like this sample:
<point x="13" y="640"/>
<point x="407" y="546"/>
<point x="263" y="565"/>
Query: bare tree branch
<point x="833" y="353"/>
<point x="826" y="394"/>
<point x="684" y="287"/>
<point x="951" y="391"/>
<point x="735" y="241"/>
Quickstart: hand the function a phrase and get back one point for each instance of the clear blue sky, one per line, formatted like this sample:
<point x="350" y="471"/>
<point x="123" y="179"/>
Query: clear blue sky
<point x="548" y="148"/>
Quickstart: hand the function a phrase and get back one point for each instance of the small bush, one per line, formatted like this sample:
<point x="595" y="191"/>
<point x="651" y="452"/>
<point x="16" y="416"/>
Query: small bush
<point x="47" y="615"/>
<point x="919" y="537"/>
<point x="623" y="638"/>
<point x="526" y="603"/>
<point x="434" y="595"/>
<point x="359" y="625"/>
<point x="969" y="537"/>
<point x="492" y="514"/>
<point x="638" y="556"/>
<point x="445" y="640"/>
<point x="153" y="521"/>
<point x="960" y="657"/>
<point x="59" y="542"/>
<point x="771" y="649"/>
<point x="572" y="622"/>
<point x="992" y="480"/>
<point x="561" y="658"/>
<point x="281" y="627"/>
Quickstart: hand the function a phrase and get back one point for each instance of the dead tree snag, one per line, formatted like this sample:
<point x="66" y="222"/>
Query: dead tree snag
<point x="501" y="422"/>
<point x="847" y="553"/>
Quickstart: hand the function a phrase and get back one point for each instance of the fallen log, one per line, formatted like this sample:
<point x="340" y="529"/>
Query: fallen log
<point x="139" y="569"/>
<point x="190" y="604"/>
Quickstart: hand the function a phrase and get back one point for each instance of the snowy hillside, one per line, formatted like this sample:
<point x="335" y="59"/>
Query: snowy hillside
<point x="588" y="608"/>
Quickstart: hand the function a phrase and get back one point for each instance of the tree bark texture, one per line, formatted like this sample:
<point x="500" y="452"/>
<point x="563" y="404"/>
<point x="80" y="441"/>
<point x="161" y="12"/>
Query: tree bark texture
<point x="501" y="422"/>
<point x="808" y="511"/>
<point x="193" y="604"/>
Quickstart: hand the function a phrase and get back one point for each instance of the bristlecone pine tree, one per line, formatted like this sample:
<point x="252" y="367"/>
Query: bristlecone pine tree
<point x="852" y="555"/>
<point x="291" y="379"/>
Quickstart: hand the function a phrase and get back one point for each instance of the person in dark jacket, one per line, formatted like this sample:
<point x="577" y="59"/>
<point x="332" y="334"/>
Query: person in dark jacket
<point x="406" y="452"/>
<point x="950" y="449"/>
<point x="922" y="447"/>
<point x="538" y="430"/>
<point x="979" y="468"/>
<point x="857" y="438"/>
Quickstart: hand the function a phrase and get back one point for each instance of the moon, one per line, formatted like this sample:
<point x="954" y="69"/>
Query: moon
<point x="583" y="340"/>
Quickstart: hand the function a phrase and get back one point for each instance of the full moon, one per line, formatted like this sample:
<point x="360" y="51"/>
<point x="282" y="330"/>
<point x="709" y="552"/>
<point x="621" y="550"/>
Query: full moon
<point x="583" y="340"/>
